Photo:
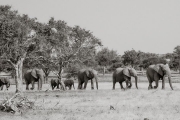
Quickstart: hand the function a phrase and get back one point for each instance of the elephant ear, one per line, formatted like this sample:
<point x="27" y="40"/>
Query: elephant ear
<point x="158" y="69"/>
<point x="89" y="73"/>
<point x="126" y="72"/>
<point x="95" y="72"/>
<point x="34" y="73"/>
<point x="132" y="72"/>
<point x="2" y="80"/>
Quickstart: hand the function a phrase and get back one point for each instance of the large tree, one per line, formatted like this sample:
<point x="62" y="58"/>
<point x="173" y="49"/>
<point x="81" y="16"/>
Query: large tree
<point x="21" y="38"/>
<point x="177" y="57"/>
<point x="68" y="44"/>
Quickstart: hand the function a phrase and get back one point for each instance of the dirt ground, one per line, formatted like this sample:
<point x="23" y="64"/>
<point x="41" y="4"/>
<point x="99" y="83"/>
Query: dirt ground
<point x="95" y="104"/>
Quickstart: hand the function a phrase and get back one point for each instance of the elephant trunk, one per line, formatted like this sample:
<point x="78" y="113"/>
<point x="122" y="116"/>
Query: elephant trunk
<point x="170" y="83"/>
<point x="96" y="79"/>
<point x="136" y="79"/>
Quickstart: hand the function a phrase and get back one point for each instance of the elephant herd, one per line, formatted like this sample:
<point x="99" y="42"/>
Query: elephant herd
<point x="154" y="73"/>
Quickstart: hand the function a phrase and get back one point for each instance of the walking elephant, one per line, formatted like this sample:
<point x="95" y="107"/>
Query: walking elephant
<point x="4" y="81"/>
<point x="69" y="83"/>
<point x="158" y="72"/>
<point x="32" y="76"/>
<point x="87" y="74"/>
<point x="124" y="74"/>
<point x="55" y="83"/>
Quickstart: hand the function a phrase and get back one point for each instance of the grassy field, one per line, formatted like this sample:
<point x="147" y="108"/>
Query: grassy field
<point x="95" y="104"/>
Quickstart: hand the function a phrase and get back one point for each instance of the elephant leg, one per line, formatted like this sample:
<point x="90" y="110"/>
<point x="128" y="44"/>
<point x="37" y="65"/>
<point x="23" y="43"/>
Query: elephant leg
<point x="81" y="85"/>
<point x="7" y="86"/>
<point x="157" y="82"/>
<point x="127" y="82"/>
<point x="92" y="84"/>
<point x="40" y="83"/>
<point x="2" y="87"/>
<point x="150" y="83"/>
<point x="121" y="85"/>
<point x="73" y="85"/>
<point x="114" y="85"/>
<point x="163" y="84"/>
<point x="130" y="84"/>
<point x="32" y="85"/>
<point x="156" y="79"/>
<point x="78" y="85"/>
<point x="85" y="84"/>
<point x="70" y="87"/>
<point x="57" y="86"/>
<point x="27" y="86"/>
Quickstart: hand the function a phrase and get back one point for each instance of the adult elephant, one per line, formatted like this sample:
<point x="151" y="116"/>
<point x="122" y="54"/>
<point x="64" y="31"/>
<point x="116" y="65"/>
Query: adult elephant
<point x="32" y="76"/>
<point x="87" y="74"/>
<point x="157" y="72"/>
<point x="4" y="81"/>
<point x="124" y="74"/>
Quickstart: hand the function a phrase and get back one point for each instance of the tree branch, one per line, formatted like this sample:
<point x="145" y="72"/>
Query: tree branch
<point x="11" y="63"/>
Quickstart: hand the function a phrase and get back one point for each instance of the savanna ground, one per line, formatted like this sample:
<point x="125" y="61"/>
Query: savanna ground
<point x="132" y="104"/>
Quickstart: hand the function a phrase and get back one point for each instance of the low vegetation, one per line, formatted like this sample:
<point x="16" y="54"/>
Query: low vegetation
<point x="98" y="104"/>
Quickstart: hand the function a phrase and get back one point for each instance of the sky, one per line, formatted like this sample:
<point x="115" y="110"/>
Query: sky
<point x="146" y="25"/>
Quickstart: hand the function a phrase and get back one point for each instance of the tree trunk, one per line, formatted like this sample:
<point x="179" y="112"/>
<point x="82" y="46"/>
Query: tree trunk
<point x="18" y="77"/>
<point x="46" y="79"/>
<point x="60" y="77"/>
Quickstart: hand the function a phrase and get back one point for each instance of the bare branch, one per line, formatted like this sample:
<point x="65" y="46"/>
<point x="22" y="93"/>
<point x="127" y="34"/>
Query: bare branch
<point x="11" y="63"/>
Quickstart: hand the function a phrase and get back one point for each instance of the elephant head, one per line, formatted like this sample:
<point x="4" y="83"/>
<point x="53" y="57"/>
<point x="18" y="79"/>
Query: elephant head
<point x="38" y="74"/>
<point x="164" y="71"/>
<point x="131" y="72"/>
<point x="92" y="74"/>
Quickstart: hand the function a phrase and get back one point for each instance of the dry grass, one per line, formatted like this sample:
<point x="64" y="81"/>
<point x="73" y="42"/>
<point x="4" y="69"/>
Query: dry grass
<point x="89" y="104"/>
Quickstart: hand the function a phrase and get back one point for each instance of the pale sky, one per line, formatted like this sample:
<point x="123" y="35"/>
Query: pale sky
<point x="146" y="25"/>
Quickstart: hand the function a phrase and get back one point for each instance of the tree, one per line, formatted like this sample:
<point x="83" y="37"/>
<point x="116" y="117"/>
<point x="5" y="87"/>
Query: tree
<point x="21" y="37"/>
<point x="69" y="43"/>
<point x="130" y="57"/>
<point x="177" y="52"/>
<point x="106" y="58"/>
<point x="14" y="43"/>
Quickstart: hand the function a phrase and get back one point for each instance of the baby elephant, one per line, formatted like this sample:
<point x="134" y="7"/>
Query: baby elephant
<point x="4" y="81"/>
<point x="55" y="83"/>
<point x="69" y="83"/>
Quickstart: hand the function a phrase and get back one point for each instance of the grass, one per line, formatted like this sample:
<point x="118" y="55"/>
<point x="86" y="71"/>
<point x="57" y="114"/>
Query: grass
<point x="90" y="104"/>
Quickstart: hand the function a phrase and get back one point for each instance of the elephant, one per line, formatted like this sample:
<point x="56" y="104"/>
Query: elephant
<point x="32" y="76"/>
<point x="87" y="74"/>
<point x="124" y="74"/>
<point x="157" y="72"/>
<point x="4" y="81"/>
<point x="55" y="83"/>
<point x="69" y="83"/>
